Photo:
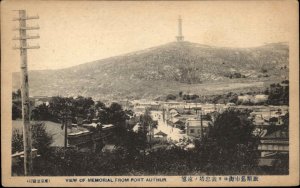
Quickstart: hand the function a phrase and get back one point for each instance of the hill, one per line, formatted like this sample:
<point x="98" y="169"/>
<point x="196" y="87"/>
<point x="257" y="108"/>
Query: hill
<point x="169" y="68"/>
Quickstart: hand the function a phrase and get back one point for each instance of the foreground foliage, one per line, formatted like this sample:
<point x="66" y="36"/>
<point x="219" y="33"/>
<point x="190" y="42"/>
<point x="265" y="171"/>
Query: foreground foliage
<point x="228" y="148"/>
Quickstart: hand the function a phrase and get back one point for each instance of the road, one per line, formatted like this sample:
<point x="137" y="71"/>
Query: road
<point x="174" y="134"/>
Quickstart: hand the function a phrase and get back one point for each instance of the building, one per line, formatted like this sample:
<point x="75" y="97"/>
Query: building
<point x="245" y="98"/>
<point x="18" y="157"/>
<point x="260" y="98"/>
<point x="173" y="104"/>
<point x="177" y="123"/>
<point x="173" y="112"/>
<point x="39" y="100"/>
<point x="256" y="99"/>
<point x="137" y="128"/>
<point x="90" y="136"/>
<point x="146" y="104"/>
<point x="109" y="148"/>
<point x="197" y="128"/>
<point x="161" y="136"/>
<point x="273" y="147"/>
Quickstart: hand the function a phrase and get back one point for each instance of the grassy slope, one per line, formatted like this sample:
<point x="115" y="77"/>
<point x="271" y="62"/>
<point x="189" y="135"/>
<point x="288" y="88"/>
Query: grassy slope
<point x="51" y="128"/>
<point x="166" y="69"/>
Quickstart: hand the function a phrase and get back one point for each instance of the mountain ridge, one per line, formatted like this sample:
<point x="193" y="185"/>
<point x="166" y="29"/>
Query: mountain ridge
<point x="171" y="67"/>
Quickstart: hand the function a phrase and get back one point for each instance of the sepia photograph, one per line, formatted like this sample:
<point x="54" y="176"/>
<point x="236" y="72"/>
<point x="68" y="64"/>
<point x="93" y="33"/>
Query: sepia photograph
<point x="149" y="93"/>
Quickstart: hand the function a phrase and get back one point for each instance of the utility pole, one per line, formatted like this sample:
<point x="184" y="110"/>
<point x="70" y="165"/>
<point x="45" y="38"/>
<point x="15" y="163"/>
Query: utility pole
<point x="201" y="123"/>
<point x="66" y="119"/>
<point x="65" y="124"/>
<point x="24" y="86"/>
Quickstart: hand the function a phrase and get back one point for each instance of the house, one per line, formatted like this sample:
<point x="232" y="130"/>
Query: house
<point x="175" y="122"/>
<point x="197" y="128"/>
<point x="209" y="108"/>
<point x="173" y="104"/>
<point x="273" y="147"/>
<point x="143" y="104"/>
<point x="197" y="109"/>
<point x="90" y="136"/>
<point x="39" y="100"/>
<point x="78" y="138"/>
<point x="230" y="104"/>
<point x="109" y="148"/>
<point x="138" y="110"/>
<point x="90" y="126"/>
<point x="260" y="98"/>
<point x="245" y="98"/>
<point x="259" y="121"/>
<point x="173" y="112"/>
<point x="160" y="136"/>
<point x="253" y="98"/>
<point x="137" y="128"/>
<point x="18" y="157"/>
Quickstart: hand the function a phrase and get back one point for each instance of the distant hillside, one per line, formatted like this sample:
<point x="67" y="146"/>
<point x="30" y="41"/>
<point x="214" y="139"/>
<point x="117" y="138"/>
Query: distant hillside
<point x="170" y="68"/>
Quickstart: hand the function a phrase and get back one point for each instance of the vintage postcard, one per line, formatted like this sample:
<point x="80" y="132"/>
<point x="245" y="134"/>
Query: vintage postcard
<point x="149" y="93"/>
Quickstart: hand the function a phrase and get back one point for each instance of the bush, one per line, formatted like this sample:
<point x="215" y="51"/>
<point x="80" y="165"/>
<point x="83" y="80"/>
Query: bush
<point x="171" y="97"/>
<point x="264" y="70"/>
<point x="232" y="75"/>
<point x="41" y="140"/>
<point x="16" y="110"/>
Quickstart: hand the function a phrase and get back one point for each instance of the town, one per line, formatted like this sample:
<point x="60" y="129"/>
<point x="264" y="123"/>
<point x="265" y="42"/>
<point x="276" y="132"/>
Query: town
<point x="152" y="126"/>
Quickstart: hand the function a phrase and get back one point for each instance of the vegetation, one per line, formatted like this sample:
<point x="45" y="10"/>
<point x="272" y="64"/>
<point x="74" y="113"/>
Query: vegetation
<point x="162" y="70"/>
<point x="41" y="140"/>
<point x="228" y="148"/>
<point x="279" y="93"/>
<point x="232" y="143"/>
<point x="232" y="75"/>
<point x="171" y="97"/>
<point x="226" y="153"/>
<point x="16" y="105"/>
<point x="190" y="97"/>
<point x="41" y="113"/>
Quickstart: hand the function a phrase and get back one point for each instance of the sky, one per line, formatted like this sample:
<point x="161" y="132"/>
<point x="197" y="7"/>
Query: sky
<point x="76" y="32"/>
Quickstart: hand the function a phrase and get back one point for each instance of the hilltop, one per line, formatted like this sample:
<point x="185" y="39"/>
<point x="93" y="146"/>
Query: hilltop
<point x="169" y="68"/>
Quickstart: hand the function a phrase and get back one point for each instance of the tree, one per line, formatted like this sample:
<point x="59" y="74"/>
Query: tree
<point x="16" y="110"/>
<point x="41" y="140"/>
<point x="16" y="105"/>
<point x="83" y="106"/>
<point x="117" y="114"/>
<point x="180" y="94"/>
<point x="16" y="95"/>
<point x="41" y="113"/>
<point x="59" y="105"/>
<point x="286" y="121"/>
<point x="147" y="126"/>
<point x="171" y="97"/>
<point x="278" y="94"/>
<point x="234" y="146"/>
<point x="79" y="106"/>
<point x="114" y="114"/>
<point x="17" y="141"/>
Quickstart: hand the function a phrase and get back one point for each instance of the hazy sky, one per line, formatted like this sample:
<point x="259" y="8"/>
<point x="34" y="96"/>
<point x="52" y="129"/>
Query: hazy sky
<point x="75" y="32"/>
